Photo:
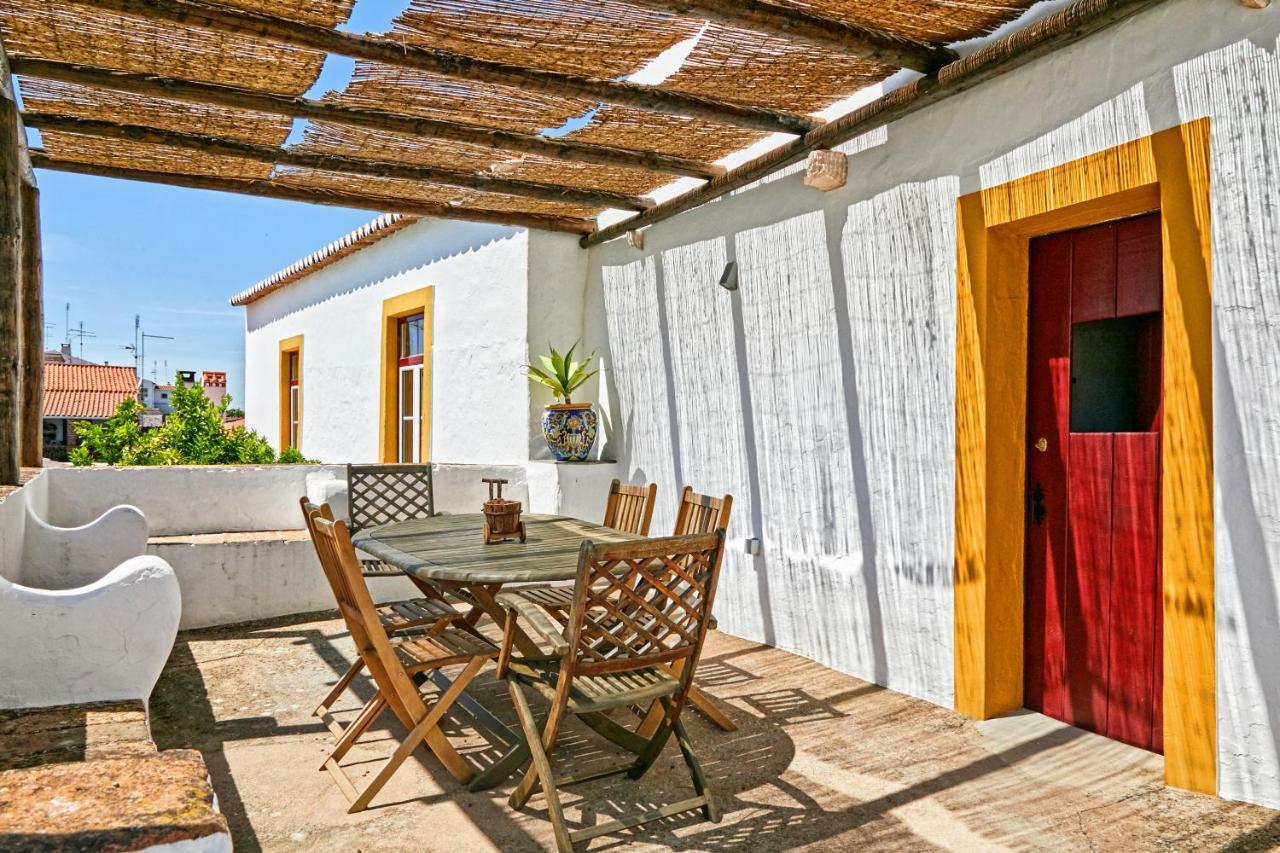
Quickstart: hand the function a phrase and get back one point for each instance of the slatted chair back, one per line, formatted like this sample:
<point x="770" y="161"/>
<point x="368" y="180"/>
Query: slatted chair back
<point x="383" y="494"/>
<point x="641" y="604"/>
<point x="629" y="507"/>
<point x="337" y="584"/>
<point x="701" y="513"/>
<point x="358" y="610"/>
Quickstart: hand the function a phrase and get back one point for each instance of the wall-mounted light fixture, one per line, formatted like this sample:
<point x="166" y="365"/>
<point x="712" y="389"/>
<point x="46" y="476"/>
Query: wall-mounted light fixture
<point x="729" y="278"/>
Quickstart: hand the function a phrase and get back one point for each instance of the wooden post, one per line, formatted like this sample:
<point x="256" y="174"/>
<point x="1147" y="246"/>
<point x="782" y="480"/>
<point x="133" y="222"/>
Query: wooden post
<point x="11" y="155"/>
<point x="32" y="360"/>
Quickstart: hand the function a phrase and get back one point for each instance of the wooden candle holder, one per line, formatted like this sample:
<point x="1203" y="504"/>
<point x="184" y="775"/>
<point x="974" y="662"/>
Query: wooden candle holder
<point x="501" y="517"/>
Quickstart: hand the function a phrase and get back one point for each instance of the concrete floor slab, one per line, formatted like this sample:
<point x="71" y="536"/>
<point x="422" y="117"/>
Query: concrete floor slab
<point x="822" y="761"/>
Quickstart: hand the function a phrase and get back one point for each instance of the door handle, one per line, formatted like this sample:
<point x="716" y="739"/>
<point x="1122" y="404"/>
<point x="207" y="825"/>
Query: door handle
<point x="1035" y="505"/>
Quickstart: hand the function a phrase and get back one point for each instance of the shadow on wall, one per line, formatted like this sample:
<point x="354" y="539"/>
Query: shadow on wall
<point x="1246" y="439"/>
<point x="416" y="247"/>
<point x="820" y="396"/>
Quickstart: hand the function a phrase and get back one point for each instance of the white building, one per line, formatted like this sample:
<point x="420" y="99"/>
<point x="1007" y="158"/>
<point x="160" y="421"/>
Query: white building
<point x="863" y="394"/>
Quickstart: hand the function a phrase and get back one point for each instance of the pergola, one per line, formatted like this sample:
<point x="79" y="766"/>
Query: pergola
<point x="522" y="112"/>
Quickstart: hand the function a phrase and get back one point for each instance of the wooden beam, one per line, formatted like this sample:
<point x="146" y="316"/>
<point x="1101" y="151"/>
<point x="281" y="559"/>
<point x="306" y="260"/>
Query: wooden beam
<point x="32" y="324"/>
<point x="798" y="24"/>
<point x="298" y="107"/>
<point x="394" y="52"/>
<point x="336" y="163"/>
<point x="12" y="142"/>
<point x="272" y="189"/>
<point x="1045" y="36"/>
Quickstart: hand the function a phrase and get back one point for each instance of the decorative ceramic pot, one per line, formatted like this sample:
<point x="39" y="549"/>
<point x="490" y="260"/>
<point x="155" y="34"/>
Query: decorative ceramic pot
<point x="570" y="430"/>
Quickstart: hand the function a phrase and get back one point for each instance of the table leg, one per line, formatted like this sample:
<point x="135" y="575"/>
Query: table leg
<point x="484" y="595"/>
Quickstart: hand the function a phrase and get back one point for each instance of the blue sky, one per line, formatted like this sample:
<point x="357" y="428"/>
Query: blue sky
<point x="116" y="248"/>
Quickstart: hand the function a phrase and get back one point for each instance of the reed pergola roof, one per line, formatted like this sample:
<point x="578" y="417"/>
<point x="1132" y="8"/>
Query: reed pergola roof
<point x="516" y="111"/>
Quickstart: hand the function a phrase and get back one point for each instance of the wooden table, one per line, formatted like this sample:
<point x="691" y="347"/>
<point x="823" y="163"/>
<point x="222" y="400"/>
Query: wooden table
<point x="448" y="552"/>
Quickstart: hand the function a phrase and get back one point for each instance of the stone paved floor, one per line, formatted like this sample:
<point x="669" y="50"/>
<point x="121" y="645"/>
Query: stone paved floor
<point x="822" y="761"/>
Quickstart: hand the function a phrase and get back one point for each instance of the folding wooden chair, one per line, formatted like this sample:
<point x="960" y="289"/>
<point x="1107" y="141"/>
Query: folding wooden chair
<point x="638" y="608"/>
<point x="393" y="668"/>
<point x="415" y="613"/>
<point x="629" y="507"/>
<point x="382" y="494"/>
<point x="696" y="514"/>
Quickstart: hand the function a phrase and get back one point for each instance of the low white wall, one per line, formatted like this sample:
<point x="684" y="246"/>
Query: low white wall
<point x="185" y="499"/>
<point x="13" y="523"/>
<point x="227" y="578"/>
<point x="70" y="557"/>
<point x="233" y="535"/>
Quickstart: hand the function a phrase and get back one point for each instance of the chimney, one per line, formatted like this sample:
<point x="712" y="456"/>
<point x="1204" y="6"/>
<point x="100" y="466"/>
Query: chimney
<point x="65" y="349"/>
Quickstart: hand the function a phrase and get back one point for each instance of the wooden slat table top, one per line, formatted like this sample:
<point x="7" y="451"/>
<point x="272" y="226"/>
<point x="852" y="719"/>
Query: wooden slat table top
<point x="452" y="548"/>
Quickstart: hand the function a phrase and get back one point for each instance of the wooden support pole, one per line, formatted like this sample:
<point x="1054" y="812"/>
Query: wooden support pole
<point x="308" y="108"/>
<point x="272" y="189"/>
<point x="335" y="162"/>
<point x="32" y="323"/>
<point x="798" y="24"/>
<point x="401" y="54"/>
<point x="1045" y="36"/>
<point x="12" y="144"/>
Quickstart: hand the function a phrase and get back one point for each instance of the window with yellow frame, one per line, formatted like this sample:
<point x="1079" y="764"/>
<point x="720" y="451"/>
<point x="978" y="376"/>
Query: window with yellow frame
<point x="406" y="377"/>
<point x="291" y="392"/>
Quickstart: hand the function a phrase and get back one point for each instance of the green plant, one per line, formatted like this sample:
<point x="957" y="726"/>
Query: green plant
<point x="293" y="456"/>
<point x="562" y="375"/>
<point x="192" y="434"/>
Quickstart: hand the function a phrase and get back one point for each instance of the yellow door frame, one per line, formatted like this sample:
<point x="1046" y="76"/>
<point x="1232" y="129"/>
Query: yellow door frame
<point x="1168" y="172"/>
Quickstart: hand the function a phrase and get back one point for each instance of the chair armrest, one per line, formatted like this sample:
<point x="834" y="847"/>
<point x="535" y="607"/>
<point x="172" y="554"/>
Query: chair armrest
<point x="537" y="619"/>
<point x="70" y="557"/>
<point x="105" y="641"/>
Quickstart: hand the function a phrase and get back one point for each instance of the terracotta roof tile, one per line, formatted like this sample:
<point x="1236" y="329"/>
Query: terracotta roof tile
<point x="86" y="390"/>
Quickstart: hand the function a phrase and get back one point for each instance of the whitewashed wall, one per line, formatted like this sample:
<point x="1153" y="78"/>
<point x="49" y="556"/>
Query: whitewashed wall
<point x="822" y="393"/>
<point x="480" y="275"/>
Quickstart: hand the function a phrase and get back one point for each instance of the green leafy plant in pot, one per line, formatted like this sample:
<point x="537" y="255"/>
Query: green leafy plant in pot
<point x="569" y="427"/>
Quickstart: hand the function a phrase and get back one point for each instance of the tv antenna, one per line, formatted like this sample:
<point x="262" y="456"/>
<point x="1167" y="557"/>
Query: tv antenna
<point x="81" y="334"/>
<point x="139" y="347"/>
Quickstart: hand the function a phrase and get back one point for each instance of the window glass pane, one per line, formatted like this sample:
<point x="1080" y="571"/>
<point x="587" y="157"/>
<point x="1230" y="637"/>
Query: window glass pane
<point x="293" y="366"/>
<point x="1115" y="374"/>
<point x="411" y="339"/>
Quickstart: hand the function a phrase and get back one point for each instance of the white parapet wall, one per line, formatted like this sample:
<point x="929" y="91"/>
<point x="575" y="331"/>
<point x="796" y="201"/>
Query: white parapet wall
<point x="234" y="535"/>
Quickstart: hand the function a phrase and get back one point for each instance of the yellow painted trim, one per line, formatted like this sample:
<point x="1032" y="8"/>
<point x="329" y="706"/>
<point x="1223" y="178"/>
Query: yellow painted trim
<point x="420" y="301"/>
<point x="1168" y="172"/>
<point x="289" y="345"/>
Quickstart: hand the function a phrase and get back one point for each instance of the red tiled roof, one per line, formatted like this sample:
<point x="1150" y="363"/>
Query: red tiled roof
<point x="86" y="390"/>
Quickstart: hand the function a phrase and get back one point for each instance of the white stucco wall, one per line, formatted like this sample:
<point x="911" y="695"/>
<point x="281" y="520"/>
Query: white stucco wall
<point x="822" y="393"/>
<point x="480" y="276"/>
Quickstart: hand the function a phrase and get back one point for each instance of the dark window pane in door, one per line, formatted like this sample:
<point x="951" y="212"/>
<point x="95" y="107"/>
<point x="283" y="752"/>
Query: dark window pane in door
<point x="1115" y="374"/>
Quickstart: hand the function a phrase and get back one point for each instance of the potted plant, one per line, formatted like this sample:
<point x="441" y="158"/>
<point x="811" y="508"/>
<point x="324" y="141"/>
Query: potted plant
<point x="569" y="427"/>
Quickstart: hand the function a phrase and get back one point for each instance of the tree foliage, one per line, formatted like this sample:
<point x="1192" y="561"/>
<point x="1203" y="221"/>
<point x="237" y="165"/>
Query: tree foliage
<point x="192" y="434"/>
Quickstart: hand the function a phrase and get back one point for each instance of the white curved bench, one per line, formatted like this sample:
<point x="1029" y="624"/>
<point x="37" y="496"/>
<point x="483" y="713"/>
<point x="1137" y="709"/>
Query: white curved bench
<point x="107" y="640"/>
<point x="70" y="557"/>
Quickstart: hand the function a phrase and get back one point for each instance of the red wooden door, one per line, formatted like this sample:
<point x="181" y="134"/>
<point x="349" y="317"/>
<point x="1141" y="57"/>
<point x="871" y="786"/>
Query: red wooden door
<point x="1093" y="624"/>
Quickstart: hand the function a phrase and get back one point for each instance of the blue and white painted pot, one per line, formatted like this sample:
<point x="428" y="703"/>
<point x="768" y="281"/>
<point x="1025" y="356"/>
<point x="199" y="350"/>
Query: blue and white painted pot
<point x="570" y="430"/>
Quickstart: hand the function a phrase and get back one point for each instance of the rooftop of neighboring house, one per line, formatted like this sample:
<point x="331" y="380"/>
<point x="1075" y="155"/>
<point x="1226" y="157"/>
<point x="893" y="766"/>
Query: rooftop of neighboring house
<point x="63" y="356"/>
<point x="86" y="390"/>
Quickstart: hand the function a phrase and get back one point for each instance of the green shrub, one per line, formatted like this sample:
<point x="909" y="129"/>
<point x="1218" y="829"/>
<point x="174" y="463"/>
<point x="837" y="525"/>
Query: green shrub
<point x="192" y="434"/>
